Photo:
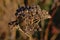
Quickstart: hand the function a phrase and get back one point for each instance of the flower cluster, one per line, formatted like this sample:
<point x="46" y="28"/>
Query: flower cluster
<point x="28" y="18"/>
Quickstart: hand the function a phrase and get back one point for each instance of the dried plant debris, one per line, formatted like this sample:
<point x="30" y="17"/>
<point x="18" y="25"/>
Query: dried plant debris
<point x="28" y="19"/>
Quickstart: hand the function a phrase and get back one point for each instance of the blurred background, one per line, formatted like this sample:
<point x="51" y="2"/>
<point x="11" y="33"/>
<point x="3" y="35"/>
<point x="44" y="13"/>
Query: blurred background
<point x="7" y="13"/>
